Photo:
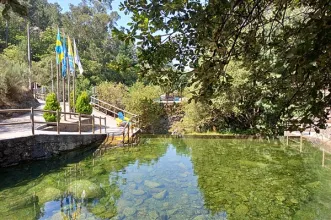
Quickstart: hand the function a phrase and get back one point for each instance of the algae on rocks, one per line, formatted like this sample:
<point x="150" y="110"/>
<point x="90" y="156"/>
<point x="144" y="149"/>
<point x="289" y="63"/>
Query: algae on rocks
<point x="85" y="189"/>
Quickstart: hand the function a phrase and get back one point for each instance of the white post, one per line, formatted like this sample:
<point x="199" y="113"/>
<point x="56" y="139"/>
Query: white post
<point x="323" y="158"/>
<point x="300" y="142"/>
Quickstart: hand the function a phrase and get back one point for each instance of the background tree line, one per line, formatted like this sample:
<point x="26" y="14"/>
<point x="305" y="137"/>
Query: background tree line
<point x="104" y="57"/>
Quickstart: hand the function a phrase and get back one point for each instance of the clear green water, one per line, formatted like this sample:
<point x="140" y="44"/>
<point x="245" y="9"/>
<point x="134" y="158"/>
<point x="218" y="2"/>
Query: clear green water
<point x="173" y="179"/>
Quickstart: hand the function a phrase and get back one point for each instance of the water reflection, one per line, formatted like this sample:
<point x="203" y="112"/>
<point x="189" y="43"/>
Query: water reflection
<point x="165" y="179"/>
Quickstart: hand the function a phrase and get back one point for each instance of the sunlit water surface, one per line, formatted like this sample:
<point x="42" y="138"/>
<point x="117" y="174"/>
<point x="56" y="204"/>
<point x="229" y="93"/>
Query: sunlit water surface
<point x="173" y="179"/>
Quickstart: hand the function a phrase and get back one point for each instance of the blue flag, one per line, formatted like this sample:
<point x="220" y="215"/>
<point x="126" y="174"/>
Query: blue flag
<point x="64" y="60"/>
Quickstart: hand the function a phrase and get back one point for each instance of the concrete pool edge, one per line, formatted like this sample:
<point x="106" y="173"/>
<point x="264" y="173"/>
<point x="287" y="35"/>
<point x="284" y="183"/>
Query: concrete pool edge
<point x="16" y="150"/>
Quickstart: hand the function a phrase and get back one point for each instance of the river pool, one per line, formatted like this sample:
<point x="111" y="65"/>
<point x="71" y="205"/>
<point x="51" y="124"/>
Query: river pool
<point x="173" y="179"/>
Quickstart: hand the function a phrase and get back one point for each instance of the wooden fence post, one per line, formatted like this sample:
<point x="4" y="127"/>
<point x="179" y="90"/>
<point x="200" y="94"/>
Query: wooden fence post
<point x="58" y="121"/>
<point x="100" y="123"/>
<point x="32" y="120"/>
<point x="138" y="122"/>
<point x="123" y="136"/>
<point x="93" y="124"/>
<point x="80" y="124"/>
<point x="128" y="134"/>
<point x="132" y="132"/>
<point x="105" y="125"/>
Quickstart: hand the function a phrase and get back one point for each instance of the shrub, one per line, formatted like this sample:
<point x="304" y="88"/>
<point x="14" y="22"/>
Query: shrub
<point x="140" y="100"/>
<point x="112" y="93"/>
<point x="83" y="104"/>
<point x="11" y="79"/>
<point x="51" y="104"/>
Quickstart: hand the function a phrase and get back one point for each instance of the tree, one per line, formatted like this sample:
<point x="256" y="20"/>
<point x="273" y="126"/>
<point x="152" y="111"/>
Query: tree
<point x="104" y="57"/>
<point x="284" y="44"/>
<point x="13" y="5"/>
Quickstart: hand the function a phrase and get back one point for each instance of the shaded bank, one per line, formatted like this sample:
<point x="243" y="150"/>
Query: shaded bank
<point x="16" y="150"/>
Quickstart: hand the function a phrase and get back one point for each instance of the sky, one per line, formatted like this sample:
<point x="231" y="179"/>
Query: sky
<point x="122" y="22"/>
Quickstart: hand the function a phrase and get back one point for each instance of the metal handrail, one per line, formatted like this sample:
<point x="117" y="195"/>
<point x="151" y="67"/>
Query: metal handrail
<point x="112" y="106"/>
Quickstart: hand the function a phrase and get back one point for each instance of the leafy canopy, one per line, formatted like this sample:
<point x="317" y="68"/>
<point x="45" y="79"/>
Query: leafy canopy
<point x="285" y="45"/>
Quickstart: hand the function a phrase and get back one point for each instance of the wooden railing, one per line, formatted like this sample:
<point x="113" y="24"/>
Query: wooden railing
<point x="58" y="123"/>
<point x="131" y="124"/>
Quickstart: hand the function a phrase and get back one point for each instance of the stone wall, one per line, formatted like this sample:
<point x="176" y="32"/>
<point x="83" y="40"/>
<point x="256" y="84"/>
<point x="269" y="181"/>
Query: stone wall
<point x="16" y="150"/>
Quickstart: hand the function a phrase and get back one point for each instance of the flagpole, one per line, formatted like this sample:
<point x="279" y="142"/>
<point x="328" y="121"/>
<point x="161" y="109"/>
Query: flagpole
<point x="74" y="91"/>
<point x="29" y="52"/>
<point x="58" y="82"/>
<point x="64" y="96"/>
<point x="52" y="76"/>
<point x="68" y="75"/>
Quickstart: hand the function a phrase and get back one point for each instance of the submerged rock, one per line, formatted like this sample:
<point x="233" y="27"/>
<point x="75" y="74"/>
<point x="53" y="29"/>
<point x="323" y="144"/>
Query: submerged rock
<point x="139" y="202"/>
<point x="128" y="211"/>
<point x="151" y="184"/>
<point x="132" y="186"/>
<point x="98" y="171"/>
<point x="155" y="190"/>
<point x="164" y="217"/>
<point x="181" y="165"/>
<point x="153" y="215"/>
<point x="241" y="210"/>
<point x="138" y="178"/>
<point x="160" y="195"/>
<point x="137" y="192"/>
<point x="199" y="217"/>
<point x="171" y="212"/>
<point x="48" y="194"/>
<point x="57" y="216"/>
<point x="85" y="189"/>
<point x="122" y="204"/>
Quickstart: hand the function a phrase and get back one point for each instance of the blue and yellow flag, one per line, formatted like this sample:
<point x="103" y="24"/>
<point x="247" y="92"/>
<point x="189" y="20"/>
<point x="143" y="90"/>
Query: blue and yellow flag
<point x="58" y="48"/>
<point x="64" y="60"/>
<point x="71" y="56"/>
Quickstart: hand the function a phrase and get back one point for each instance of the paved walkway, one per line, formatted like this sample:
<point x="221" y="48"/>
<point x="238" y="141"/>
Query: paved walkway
<point x="13" y="131"/>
